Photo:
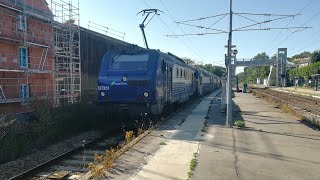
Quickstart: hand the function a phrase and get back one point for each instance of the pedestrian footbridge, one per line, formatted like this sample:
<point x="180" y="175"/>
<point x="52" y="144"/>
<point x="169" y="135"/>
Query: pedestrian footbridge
<point x="278" y="67"/>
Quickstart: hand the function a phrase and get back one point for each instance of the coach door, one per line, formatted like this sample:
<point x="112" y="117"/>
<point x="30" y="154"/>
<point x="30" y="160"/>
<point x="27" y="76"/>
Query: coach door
<point x="169" y="81"/>
<point x="166" y="73"/>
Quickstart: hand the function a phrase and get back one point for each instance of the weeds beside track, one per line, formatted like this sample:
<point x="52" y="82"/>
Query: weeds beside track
<point x="305" y="107"/>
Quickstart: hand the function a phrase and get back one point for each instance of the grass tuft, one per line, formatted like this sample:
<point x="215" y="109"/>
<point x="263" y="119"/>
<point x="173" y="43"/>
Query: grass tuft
<point x="102" y="163"/>
<point x="240" y="123"/>
<point x="193" y="165"/>
<point x="162" y="143"/>
<point x="129" y="136"/>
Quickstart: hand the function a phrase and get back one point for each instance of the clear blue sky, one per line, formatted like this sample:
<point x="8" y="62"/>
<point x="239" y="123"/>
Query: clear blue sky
<point x="121" y="15"/>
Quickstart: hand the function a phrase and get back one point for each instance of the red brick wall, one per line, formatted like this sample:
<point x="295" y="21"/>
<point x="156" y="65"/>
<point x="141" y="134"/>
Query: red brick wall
<point x="38" y="32"/>
<point x="8" y="20"/>
<point x="39" y="84"/>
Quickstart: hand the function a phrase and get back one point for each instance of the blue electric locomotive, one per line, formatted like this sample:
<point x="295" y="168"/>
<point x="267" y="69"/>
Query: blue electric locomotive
<point x="144" y="81"/>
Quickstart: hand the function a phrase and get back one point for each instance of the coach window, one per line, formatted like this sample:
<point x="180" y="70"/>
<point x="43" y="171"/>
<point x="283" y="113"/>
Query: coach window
<point x="177" y="72"/>
<point x="163" y="66"/>
<point x="180" y="73"/>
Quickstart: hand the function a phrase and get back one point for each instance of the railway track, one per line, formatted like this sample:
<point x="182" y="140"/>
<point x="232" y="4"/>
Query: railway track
<point x="303" y="105"/>
<point x="74" y="162"/>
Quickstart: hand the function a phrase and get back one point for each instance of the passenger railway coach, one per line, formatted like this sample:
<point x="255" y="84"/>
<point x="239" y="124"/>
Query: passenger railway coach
<point x="147" y="81"/>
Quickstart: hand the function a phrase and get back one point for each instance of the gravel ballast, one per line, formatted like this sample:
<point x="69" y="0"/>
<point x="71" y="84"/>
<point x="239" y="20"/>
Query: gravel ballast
<point x="13" y="168"/>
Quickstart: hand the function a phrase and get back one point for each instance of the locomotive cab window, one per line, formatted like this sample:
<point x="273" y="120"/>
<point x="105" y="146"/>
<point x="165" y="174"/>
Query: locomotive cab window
<point x="130" y="62"/>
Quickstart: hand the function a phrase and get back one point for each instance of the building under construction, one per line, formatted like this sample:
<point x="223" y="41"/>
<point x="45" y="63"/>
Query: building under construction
<point x="45" y="56"/>
<point x="26" y="54"/>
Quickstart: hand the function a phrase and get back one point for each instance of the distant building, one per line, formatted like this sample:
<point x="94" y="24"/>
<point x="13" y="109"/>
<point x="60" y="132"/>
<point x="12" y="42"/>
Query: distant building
<point x="301" y="62"/>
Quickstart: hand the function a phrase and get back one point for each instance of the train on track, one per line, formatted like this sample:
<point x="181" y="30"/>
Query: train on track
<point x="149" y="81"/>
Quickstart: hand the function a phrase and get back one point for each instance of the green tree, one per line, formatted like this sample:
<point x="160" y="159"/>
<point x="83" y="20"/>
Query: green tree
<point x="188" y="60"/>
<point x="305" y="54"/>
<point x="217" y="70"/>
<point x="315" y="57"/>
<point x="306" y="71"/>
<point x="209" y="67"/>
<point x="250" y="74"/>
<point x="241" y="77"/>
<point x="262" y="55"/>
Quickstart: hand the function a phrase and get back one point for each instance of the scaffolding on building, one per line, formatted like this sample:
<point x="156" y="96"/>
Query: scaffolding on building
<point x="67" y="60"/>
<point x="19" y="67"/>
<point x="50" y="44"/>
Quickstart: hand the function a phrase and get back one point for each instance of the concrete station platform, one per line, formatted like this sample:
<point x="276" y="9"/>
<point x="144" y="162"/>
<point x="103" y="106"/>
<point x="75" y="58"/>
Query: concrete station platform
<point x="300" y="91"/>
<point x="275" y="145"/>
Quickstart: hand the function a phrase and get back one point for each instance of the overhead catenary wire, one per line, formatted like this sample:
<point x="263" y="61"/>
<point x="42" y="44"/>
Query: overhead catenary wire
<point x="264" y="22"/>
<point x="218" y="20"/>
<point x="278" y="35"/>
<point x="246" y="17"/>
<point x="194" y="34"/>
<point x="288" y="36"/>
<point x="267" y="29"/>
<point x="174" y="20"/>
<point x="295" y="50"/>
<point x="304" y="41"/>
<point x="183" y="42"/>
<point x="202" y="27"/>
<point x="203" y="18"/>
<point x="243" y="28"/>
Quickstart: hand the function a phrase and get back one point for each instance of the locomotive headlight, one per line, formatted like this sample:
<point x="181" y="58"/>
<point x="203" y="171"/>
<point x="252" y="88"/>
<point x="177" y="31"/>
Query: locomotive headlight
<point x="124" y="79"/>
<point x="103" y="94"/>
<point x="145" y="94"/>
